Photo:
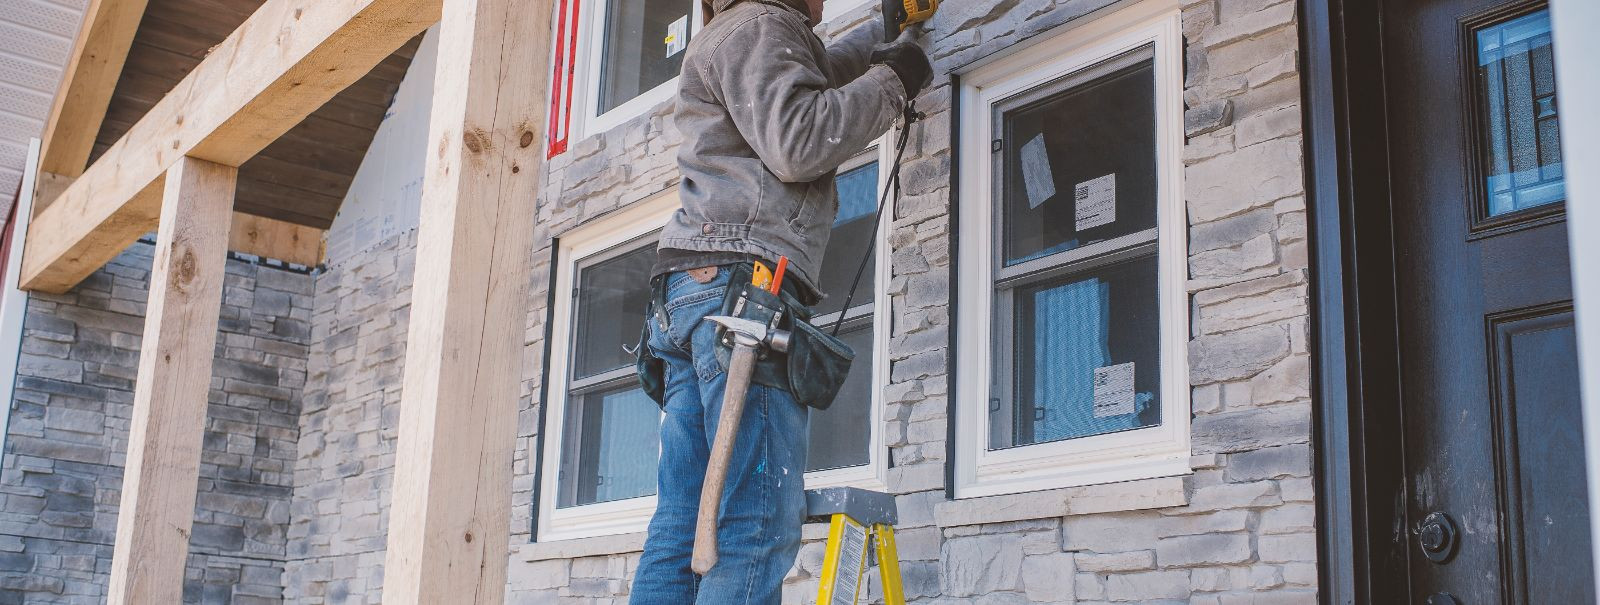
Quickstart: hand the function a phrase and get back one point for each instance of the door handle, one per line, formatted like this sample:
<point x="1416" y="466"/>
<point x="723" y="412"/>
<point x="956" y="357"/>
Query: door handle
<point x="1438" y="536"/>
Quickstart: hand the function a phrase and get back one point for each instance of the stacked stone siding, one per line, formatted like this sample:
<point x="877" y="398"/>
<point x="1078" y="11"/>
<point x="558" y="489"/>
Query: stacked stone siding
<point x="300" y="442"/>
<point x="350" y="414"/>
<point x="68" y="435"/>
<point x="1239" y="529"/>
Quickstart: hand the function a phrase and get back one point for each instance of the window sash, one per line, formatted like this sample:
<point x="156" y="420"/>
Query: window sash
<point x="1076" y="260"/>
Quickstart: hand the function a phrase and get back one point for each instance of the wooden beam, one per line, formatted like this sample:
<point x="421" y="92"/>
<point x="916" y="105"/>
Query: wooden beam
<point x="169" y="396"/>
<point x="287" y="59"/>
<point x="91" y="76"/>
<point x="250" y="234"/>
<point x="449" y="526"/>
<point x="272" y="238"/>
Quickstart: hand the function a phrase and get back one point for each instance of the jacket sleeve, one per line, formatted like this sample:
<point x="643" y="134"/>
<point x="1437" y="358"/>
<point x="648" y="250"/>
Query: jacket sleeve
<point x="782" y="104"/>
<point x="850" y="53"/>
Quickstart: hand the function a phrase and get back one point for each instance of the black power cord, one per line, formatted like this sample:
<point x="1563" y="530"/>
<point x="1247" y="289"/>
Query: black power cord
<point x="911" y="116"/>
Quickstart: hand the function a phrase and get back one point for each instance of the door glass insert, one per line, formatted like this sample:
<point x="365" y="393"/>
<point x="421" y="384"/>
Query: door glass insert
<point x="1517" y="91"/>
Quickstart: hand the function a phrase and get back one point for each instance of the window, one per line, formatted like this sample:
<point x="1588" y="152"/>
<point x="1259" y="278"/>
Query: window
<point x="602" y="433"/>
<point x="610" y="432"/>
<point x="1072" y="261"/>
<point x="632" y="53"/>
<point x="845" y="448"/>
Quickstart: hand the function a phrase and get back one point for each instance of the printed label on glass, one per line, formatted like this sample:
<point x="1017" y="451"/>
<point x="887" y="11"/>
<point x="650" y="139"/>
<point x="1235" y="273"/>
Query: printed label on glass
<point x="1036" y="175"/>
<point x="1113" y="390"/>
<point x="1096" y="202"/>
<point x="677" y="36"/>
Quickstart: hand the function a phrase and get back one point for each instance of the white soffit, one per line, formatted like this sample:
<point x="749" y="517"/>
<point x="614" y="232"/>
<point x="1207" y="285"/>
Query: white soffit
<point x="35" y="44"/>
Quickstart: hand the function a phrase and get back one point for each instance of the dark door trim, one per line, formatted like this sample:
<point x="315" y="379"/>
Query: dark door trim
<point x="1361" y="545"/>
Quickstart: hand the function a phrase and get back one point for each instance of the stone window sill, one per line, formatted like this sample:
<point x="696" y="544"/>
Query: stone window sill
<point x="1163" y="492"/>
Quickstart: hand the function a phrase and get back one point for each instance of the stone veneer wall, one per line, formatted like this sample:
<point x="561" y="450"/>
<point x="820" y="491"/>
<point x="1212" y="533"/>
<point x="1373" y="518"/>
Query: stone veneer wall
<point x="339" y="510"/>
<point x="68" y="435"/>
<point x="1238" y="530"/>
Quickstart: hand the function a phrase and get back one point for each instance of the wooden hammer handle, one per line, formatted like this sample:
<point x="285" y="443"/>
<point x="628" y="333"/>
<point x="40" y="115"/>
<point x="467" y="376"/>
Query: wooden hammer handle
<point x="740" y="368"/>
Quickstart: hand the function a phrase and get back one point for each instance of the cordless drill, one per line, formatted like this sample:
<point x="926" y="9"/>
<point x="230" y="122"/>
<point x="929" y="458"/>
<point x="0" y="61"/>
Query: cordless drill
<point x="900" y="14"/>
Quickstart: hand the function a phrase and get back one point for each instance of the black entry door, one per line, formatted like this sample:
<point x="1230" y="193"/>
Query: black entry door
<point x="1495" y="508"/>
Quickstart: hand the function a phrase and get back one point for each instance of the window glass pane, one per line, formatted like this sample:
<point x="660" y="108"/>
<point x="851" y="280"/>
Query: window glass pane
<point x="1079" y="165"/>
<point x="852" y="232"/>
<point x="644" y="43"/>
<point x="612" y="297"/>
<point x="1083" y="358"/>
<point x="841" y="434"/>
<point x="610" y="447"/>
<point x="1522" y="148"/>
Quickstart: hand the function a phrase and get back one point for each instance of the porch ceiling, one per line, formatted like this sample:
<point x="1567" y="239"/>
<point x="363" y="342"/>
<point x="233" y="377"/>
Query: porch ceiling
<point x="300" y="178"/>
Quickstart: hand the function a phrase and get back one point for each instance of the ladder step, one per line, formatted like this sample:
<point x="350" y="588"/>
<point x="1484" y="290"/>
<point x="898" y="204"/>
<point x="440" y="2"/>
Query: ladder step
<point x="865" y="506"/>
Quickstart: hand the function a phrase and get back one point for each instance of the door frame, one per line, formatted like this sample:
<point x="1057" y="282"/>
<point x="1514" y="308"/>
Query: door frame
<point x="1355" y="376"/>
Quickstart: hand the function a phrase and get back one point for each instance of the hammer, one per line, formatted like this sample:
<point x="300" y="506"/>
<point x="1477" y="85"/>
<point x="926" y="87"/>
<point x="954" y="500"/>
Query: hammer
<point x="749" y="338"/>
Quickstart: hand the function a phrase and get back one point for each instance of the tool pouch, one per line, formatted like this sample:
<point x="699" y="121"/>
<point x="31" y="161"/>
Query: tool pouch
<point x="651" y="370"/>
<point x="815" y="367"/>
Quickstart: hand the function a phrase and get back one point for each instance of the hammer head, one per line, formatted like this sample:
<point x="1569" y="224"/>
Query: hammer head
<point x="753" y="334"/>
<point x="741" y="327"/>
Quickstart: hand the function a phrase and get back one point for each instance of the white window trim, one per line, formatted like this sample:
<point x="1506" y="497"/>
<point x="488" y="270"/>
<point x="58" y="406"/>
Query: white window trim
<point x="586" y="82"/>
<point x="633" y="515"/>
<point x="1138" y="454"/>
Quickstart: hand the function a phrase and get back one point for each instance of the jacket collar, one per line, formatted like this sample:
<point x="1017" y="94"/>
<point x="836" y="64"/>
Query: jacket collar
<point x="798" y="6"/>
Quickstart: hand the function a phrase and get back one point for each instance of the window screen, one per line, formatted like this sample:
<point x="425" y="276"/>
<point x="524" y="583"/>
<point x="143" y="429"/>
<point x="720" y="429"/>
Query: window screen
<point x="643" y="47"/>
<point x="1076" y="310"/>
<point x="611" y="430"/>
<point x="842" y="434"/>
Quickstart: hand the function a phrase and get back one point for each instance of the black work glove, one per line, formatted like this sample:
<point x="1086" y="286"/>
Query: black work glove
<point x="909" y="62"/>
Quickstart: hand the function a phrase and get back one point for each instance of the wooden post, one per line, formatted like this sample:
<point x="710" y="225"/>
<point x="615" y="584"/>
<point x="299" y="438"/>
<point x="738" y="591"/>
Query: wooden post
<point x="449" y="525"/>
<point x="169" y="399"/>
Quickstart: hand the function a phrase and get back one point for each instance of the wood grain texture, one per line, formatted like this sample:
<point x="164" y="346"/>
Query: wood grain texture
<point x="284" y="62"/>
<point x="169" y="398"/>
<point x="87" y="85"/>
<point x="449" y="525"/>
<point x="271" y="238"/>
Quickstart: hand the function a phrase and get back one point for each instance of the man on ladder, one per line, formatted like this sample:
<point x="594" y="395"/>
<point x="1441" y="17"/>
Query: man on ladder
<point x="767" y="113"/>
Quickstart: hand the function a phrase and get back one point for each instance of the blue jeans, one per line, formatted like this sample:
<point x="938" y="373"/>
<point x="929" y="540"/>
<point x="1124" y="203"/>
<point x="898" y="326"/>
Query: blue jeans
<point x="763" y="502"/>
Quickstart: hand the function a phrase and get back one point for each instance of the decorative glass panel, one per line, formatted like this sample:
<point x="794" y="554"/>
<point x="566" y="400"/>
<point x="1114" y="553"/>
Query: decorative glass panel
<point x="1521" y="142"/>
<point x="611" y="447"/>
<point x="1085" y="358"/>
<point x="612" y="297"/>
<point x="644" y="43"/>
<point x="1079" y="164"/>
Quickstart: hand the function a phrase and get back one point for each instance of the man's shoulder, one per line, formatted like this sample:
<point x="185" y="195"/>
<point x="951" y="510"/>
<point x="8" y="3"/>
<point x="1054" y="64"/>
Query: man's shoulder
<point x="749" y="18"/>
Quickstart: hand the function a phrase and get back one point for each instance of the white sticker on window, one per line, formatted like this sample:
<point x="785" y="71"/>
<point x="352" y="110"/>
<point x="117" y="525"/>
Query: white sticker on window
<point x="678" y="36"/>
<point x="1096" y="202"/>
<point x="1036" y="176"/>
<point x="1113" y="390"/>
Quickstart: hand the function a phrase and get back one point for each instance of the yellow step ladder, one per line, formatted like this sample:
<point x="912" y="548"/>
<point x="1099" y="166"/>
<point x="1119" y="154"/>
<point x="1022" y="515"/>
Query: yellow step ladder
<point x="859" y="521"/>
